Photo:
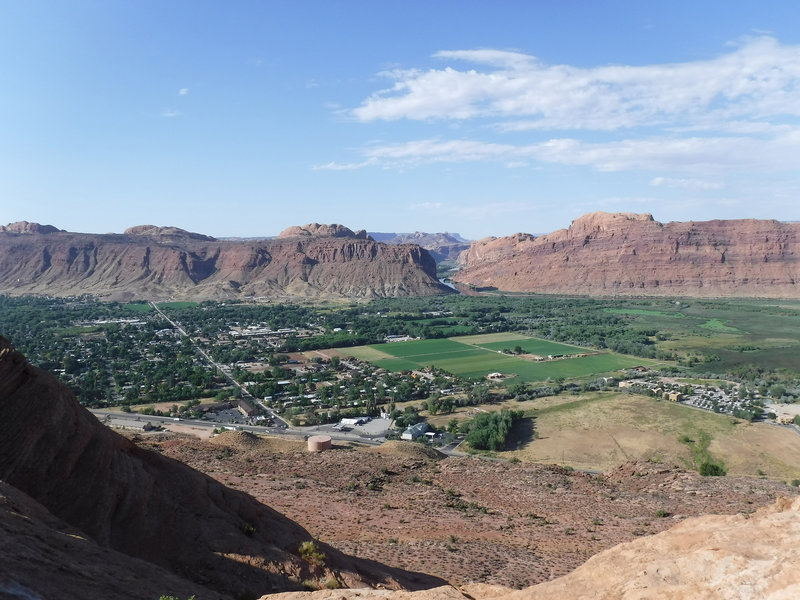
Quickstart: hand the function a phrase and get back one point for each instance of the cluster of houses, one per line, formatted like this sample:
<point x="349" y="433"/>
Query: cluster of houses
<point x="708" y="397"/>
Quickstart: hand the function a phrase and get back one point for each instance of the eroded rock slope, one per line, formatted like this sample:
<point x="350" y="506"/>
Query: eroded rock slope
<point x="632" y="254"/>
<point x="167" y="262"/>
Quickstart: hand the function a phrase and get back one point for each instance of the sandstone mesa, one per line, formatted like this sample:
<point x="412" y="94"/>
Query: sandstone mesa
<point x="160" y="263"/>
<point x="607" y="254"/>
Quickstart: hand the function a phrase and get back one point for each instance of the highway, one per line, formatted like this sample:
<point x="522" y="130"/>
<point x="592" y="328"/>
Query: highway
<point x="135" y="419"/>
<point x="220" y="368"/>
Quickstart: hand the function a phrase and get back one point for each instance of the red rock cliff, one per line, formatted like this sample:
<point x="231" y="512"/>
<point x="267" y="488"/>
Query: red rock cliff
<point x="160" y="263"/>
<point x="631" y="254"/>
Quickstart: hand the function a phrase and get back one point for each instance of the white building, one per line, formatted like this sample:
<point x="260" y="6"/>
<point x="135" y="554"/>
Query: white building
<point x="414" y="431"/>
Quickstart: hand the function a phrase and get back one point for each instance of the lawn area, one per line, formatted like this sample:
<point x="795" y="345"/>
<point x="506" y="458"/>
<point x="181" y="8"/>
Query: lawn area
<point x="367" y="353"/>
<point x="476" y="356"/>
<point x="396" y="364"/>
<point x="490" y="338"/>
<point x="421" y="347"/>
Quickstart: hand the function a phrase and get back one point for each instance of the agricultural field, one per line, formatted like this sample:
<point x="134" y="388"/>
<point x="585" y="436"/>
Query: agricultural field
<point x="477" y="356"/>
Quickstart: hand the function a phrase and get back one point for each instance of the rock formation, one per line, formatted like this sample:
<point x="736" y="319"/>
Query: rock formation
<point x="139" y="503"/>
<point x="715" y="557"/>
<point x="317" y="230"/>
<point x="25" y="227"/>
<point x="41" y="556"/>
<point x="442" y="246"/>
<point x="629" y="254"/>
<point x="163" y="263"/>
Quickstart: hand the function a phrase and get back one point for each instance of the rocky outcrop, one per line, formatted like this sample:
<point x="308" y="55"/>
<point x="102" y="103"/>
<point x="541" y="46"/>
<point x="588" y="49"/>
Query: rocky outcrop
<point x="442" y="246"/>
<point x="161" y="263"/>
<point x="317" y="230"/>
<point x="631" y="254"/>
<point x="26" y="227"/>
<point x="711" y="557"/>
<point x="41" y="557"/>
<point x="141" y="504"/>
<point x="715" y="557"/>
<point x="166" y="233"/>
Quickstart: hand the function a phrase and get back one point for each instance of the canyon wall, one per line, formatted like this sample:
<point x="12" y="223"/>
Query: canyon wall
<point x="169" y="263"/>
<point x="632" y="254"/>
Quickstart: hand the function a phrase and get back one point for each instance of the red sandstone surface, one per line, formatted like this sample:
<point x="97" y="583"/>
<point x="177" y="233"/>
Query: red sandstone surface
<point x="169" y="263"/>
<point x="632" y="254"/>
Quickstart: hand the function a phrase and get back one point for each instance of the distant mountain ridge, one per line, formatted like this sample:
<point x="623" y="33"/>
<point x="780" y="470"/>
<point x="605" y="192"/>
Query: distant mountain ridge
<point x="442" y="246"/>
<point x="167" y="262"/>
<point x="633" y="254"/>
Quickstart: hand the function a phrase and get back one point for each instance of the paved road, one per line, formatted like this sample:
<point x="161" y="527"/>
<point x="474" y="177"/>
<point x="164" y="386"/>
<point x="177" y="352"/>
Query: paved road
<point x="137" y="419"/>
<point x="220" y="368"/>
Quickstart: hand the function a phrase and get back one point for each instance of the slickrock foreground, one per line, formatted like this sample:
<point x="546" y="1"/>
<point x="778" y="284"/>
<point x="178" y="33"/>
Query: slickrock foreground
<point x="632" y="254"/>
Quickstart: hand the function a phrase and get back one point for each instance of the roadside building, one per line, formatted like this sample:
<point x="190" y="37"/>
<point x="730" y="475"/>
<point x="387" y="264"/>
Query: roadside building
<point x="414" y="431"/>
<point x="245" y="408"/>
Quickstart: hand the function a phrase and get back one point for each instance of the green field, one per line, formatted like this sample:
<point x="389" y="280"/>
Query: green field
<point x="718" y="325"/>
<point x="645" y="311"/>
<point x="139" y="307"/>
<point x="177" y="305"/>
<point x="738" y="334"/>
<point x="473" y="357"/>
<point x="536" y="346"/>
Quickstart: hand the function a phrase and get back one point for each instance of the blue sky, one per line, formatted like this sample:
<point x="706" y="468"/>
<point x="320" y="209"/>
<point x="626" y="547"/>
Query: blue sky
<point x="484" y="118"/>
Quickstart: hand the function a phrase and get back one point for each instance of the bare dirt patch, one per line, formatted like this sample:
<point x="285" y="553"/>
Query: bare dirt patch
<point x="202" y="433"/>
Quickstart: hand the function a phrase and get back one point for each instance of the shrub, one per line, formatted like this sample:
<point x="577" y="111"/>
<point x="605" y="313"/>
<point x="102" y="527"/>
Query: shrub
<point x="310" y="552"/>
<point x="712" y="469"/>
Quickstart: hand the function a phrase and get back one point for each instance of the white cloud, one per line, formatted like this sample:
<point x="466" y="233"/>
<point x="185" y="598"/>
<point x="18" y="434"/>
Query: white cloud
<point x="428" y="206"/>
<point x="758" y="79"/>
<point x="690" y="125"/>
<point x="170" y="113"/>
<point x="700" y="155"/>
<point x="686" y="184"/>
<point x="183" y="91"/>
<point x="334" y="166"/>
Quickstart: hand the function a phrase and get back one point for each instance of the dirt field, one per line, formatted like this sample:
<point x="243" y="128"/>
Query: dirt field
<point x="202" y="433"/>
<point x="601" y="431"/>
<point x="162" y="406"/>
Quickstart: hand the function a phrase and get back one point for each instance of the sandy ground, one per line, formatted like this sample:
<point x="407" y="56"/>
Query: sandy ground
<point x="784" y="410"/>
<point x="203" y="433"/>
